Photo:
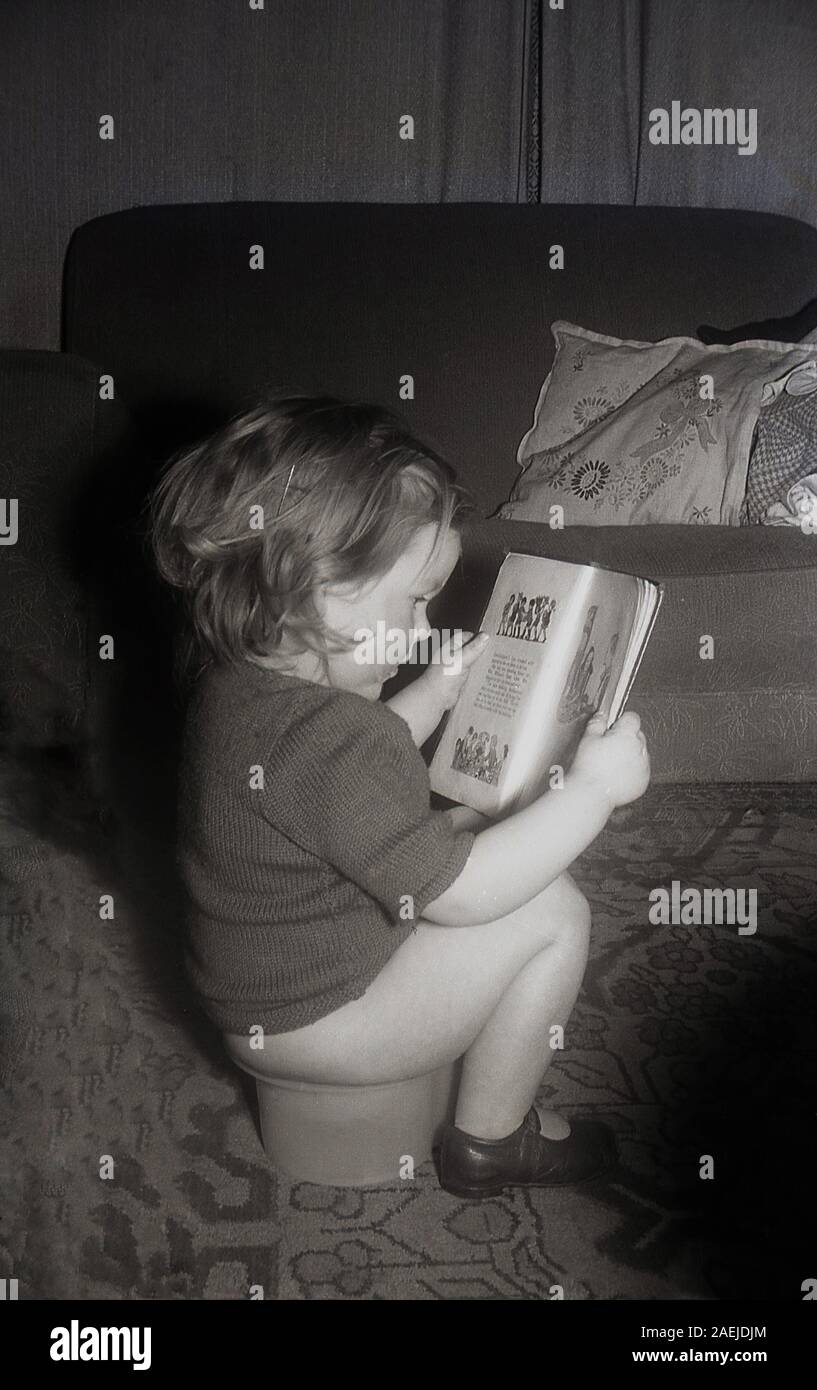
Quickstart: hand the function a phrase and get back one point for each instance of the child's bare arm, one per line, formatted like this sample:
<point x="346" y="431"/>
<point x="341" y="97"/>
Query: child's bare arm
<point x="465" y="818"/>
<point x="420" y="712"/>
<point x="515" y="859"/>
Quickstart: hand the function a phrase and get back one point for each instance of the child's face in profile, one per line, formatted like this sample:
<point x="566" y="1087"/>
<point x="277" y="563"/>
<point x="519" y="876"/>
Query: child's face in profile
<point x="393" y="604"/>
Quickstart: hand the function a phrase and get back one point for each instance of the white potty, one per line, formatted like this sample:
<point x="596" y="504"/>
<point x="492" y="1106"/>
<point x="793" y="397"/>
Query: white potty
<point x="354" y="1136"/>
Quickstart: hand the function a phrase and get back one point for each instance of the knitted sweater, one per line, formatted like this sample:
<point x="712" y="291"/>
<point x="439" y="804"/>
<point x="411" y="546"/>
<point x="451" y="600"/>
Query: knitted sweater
<point x="304" y="819"/>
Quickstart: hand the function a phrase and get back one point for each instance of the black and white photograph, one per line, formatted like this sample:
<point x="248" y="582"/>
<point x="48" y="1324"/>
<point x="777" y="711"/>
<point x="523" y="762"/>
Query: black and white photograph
<point x="312" y="313"/>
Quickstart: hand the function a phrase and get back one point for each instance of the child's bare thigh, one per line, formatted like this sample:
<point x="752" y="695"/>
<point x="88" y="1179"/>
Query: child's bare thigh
<point x="429" y="1001"/>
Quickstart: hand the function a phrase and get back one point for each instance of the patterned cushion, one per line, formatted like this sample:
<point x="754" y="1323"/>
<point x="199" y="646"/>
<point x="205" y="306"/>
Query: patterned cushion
<point x="634" y="433"/>
<point x="785" y="451"/>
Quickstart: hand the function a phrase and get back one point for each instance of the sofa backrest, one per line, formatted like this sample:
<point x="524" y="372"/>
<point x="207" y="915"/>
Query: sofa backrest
<point x="353" y="298"/>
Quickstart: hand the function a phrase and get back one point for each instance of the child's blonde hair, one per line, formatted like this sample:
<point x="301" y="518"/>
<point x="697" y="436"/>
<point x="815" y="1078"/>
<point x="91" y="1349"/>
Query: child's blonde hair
<point x="355" y="485"/>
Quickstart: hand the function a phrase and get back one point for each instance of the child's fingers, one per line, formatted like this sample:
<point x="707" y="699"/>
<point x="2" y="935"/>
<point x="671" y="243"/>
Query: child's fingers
<point x="467" y="655"/>
<point x="461" y="636"/>
<point x="460" y="653"/>
<point x="466" y="643"/>
<point x="451" y="651"/>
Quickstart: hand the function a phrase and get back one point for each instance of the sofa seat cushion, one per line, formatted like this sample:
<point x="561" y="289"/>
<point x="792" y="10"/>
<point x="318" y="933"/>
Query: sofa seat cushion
<point x="749" y="712"/>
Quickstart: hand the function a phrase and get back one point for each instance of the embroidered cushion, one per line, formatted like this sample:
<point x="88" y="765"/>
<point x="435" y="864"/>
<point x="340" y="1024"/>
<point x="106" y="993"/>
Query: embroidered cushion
<point x="636" y="433"/>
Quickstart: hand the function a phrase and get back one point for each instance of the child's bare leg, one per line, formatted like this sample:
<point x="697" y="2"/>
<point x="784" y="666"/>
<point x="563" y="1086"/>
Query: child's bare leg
<point x="503" y="1067"/>
<point x="445" y="987"/>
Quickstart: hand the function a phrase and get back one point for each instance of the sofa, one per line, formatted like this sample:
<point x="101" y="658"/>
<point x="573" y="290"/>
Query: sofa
<point x="193" y="311"/>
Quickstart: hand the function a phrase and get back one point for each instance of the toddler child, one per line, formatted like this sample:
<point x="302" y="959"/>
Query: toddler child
<point x="363" y="936"/>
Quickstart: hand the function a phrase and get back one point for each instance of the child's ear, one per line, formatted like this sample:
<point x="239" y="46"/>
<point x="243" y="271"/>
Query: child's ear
<point x="319" y="598"/>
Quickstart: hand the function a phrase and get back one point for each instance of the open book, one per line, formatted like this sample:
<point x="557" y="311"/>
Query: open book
<point x="567" y="641"/>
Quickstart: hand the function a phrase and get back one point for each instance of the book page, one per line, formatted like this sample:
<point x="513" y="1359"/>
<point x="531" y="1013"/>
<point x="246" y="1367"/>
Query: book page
<point x="487" y="737"/>
<point x="650" y="598"/>
<point x="601" y="656"/>
<point x="604" y="612"/>
<point x="567" y="640"/>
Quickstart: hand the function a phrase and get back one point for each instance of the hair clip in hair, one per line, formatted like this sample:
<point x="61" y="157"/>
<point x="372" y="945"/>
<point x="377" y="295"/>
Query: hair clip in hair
<point x="285" y="491"/>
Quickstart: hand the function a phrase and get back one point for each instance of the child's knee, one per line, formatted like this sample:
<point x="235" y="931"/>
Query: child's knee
<point x="582" y="916"/>
<point x="581" y="907"/>
<point x="571" y="910"/>
<point x="560" y="913"/>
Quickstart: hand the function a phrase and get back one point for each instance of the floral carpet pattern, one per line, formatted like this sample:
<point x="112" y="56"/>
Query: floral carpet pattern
<point x="134" y="1168"/>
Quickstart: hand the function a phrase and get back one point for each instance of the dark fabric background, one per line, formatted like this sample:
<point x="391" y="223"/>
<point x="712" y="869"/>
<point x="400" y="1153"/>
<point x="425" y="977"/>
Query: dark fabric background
<point x="214" y="101"/>
<point x="601" y="68"/>
<point x="512" y="101"/>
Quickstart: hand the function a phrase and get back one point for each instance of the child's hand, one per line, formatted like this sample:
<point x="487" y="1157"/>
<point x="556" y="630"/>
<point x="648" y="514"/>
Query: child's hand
<point x="615" y="761"/>
<point x="423" y="703"/>
<point x="445" y="678"/>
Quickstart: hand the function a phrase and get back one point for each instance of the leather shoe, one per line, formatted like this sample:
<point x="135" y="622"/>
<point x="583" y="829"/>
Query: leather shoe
<point x="471" y="1167"/>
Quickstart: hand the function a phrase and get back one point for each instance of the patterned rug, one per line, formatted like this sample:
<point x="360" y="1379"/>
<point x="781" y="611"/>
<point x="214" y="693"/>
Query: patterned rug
<point x="134" y="1168"/>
